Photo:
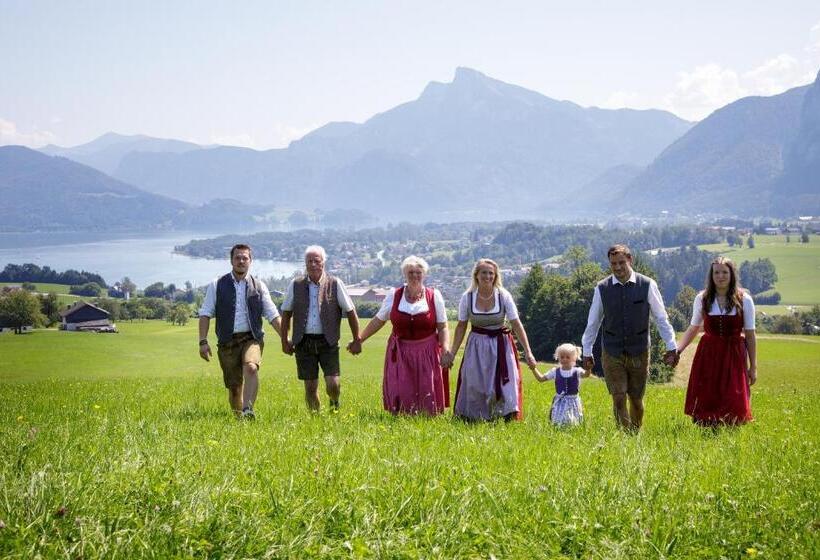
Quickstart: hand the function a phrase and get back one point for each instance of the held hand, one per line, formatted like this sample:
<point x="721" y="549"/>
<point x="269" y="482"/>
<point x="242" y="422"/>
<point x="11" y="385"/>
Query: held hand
<point x="447" y="359"/>
<point x="751" y="375"/>
<point x="355" y="347"/>
<point x="589" y="363"/>
<point x="287" y="347"/>
<point x="205" y="352"/>
<point x="531" y="361"/>
<point x="671" y="358"/>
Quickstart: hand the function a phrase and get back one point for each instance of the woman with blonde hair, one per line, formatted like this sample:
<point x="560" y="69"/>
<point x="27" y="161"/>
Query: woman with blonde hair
<point x="489" y="380"/>
<point x="413" y="380"/>
<point x="718" y="391"/>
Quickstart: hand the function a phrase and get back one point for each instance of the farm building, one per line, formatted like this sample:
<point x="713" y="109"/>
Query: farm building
<point x="82" y="316"/>
<point x="367" y="293"/>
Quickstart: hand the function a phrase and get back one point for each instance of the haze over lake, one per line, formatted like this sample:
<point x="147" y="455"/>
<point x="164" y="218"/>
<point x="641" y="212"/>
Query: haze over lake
<point x="144" y="259"/>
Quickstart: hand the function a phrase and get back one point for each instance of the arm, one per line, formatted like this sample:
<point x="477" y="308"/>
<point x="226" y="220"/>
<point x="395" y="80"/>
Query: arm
<point x="443" y="337"/>
<point x="458" y="338"/>
<point x="594" y="320"/>
<point x="355" y="345"/>
<point x="661" y="317"/>
<point x="204" y="349"/>
<point x="541" y="377"/>
<point x="372" y="328"/>
<point x="284" y="329"/>
<point x="276" y="323"/>
<point x="688" y="335"/>
<point x="269" y="311"/>
<point x="521" y="335"/>
<point x="751" y="350"/>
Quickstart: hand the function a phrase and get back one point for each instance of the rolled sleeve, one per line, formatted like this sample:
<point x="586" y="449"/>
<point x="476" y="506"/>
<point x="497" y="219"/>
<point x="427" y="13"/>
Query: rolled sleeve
<point x="596" y="317"/>
<point x="441" y="310"/>
<point x="661" y="318"/>
<point x="387" y="304"/>
<point x="269" y="310"/>
<point x="345" y="303"/>
<point x="287" y="304"/>
<point x="209" y="303"/>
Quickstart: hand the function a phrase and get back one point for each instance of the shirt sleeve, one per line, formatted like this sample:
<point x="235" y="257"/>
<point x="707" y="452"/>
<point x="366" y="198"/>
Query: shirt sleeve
<point x="551" y="373"/>
<point x="661" y="318"/>
<point x="345" y="303"/>
<point x="441" y="310"/>
<point x="287" y="304"/>
<point x="509" y="305"/>
<point x="209" y="303"/>
<point x="596" y="316"/>
<point x="387" y="304"/>
<point x="464" y="307"/>
<point x="697" y="311"/>
<point x="269" y="310"/>
<point x="748" y="312"/>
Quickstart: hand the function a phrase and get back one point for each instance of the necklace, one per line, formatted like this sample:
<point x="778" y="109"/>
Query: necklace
<point x="486" y="298"/>
<point x="413" y="298"/>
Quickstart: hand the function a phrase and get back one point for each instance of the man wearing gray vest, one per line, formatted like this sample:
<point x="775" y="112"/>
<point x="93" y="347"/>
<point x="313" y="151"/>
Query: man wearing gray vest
<point x="238" y="301"/>
<point x="622" y="303"/>
<point x="317" y="302"/>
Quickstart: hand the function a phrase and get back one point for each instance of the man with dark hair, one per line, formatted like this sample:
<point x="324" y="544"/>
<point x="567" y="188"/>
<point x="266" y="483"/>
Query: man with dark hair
<point x="317" y="301"/>
<point x="622" y="302"/>
<point x="238" y="301"/>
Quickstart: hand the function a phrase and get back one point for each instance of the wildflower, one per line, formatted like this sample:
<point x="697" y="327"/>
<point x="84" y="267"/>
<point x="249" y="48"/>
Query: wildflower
<point x="751" y="551"/>
<point x="96" y="407"/>
<point x="20" y="418"/>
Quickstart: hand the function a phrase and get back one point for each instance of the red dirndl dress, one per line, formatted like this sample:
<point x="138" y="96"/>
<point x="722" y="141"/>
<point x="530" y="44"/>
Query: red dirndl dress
<point x="414" y="381"/>
<point x="718" y="391"/>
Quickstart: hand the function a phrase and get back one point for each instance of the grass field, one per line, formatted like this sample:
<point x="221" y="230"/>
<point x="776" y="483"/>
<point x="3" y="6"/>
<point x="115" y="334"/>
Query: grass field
<point x="121" y="446"/>
<point x="797" y="264"/>
<point x="44" y="288"/>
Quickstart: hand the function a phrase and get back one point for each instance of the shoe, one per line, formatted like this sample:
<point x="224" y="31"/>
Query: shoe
<point x="248" y="414"/>
<point x="334" y="406"/>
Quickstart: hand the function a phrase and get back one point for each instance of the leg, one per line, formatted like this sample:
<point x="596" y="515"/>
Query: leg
<point x="333" y="388"/>
<point x="235" y="399"/>
<point x="636" y="411"/>
<point x="312" y="394"/>
<point x="250" y="376"/>
<point x="619" y="409"/>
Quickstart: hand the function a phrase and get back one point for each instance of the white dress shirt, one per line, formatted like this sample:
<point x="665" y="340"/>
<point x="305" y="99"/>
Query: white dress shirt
<point x="314" y="321"/>
<point x="596" y="316"/>
<point x="240" y="320"/>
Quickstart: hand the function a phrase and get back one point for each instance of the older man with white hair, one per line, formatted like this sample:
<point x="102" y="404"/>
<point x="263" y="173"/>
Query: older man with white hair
<point x="317" y="302"/>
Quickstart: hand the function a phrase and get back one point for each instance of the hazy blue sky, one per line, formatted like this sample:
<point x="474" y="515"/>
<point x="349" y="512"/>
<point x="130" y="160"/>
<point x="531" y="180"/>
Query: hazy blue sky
<point x="261" y="73"/>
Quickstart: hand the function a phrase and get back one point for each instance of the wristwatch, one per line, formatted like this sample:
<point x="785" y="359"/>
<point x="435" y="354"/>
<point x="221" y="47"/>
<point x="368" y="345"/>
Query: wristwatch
<point x="203" y="342"/>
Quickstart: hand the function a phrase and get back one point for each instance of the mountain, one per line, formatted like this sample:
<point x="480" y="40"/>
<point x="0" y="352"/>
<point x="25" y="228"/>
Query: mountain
<point x="105" y="153"/>
<point x="40" y="192"/>
<point x="729" y="163"/>
<point x="798" y="190"/>
<point x="475" y="145"/>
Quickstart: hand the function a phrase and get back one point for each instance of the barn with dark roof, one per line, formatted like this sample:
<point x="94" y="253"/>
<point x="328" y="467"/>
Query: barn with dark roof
<point x="83" y="316"/>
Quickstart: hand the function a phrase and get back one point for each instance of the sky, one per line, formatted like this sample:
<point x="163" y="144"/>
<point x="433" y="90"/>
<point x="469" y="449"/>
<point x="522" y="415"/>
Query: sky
<point x="263" y="73"/>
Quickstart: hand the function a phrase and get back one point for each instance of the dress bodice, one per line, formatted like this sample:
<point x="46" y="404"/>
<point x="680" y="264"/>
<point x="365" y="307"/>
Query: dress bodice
<point x="725" y="326"/>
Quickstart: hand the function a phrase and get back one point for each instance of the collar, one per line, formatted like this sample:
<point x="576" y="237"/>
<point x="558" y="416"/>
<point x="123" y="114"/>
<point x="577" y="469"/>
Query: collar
<point x="321" y="279"/>
<point x="632" y="278"/>
<point x="235" y="281"/>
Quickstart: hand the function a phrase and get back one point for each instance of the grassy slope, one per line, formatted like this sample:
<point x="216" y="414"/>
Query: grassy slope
<point x="129" y="433"/>
<point x="797" y="264"/>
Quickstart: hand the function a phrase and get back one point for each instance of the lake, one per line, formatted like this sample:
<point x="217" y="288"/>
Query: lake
<point x="144" y="259"/>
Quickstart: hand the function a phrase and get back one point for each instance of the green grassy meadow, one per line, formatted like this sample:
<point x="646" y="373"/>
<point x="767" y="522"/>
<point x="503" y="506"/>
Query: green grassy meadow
<point x="797" y="264"/>
<point x="45" y="288"/>
<point x="122" y="446"/>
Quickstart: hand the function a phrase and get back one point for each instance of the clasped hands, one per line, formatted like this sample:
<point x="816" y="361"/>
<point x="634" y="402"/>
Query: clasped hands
<point x="355" y="346"/>
<point x="670" y="358"/>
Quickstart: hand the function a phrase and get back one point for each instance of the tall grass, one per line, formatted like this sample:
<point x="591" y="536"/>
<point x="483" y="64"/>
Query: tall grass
<point x="122" y="446"/>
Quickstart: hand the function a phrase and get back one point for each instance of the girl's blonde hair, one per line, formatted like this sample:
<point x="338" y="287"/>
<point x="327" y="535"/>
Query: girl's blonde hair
<point x="496" y="281"/>
<point x="567" y="348"/>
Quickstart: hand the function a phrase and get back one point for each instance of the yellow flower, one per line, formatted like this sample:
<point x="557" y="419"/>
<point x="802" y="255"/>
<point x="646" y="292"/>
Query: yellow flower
<point x="96" y="407"/>
<point x="20" y="418"/>
<point x="751" y="551"/>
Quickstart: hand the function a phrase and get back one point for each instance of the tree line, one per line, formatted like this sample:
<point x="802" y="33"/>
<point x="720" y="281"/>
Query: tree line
<point x="32" y="273"/>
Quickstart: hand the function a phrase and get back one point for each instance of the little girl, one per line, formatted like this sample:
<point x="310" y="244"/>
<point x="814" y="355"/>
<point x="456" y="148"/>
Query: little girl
<point x="567" y="409"/>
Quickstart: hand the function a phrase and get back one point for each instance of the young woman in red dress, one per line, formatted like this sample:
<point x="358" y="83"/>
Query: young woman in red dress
<point x="725" y="363"/>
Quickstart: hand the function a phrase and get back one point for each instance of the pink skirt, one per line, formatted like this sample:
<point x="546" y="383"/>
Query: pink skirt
<point x="414" y="381"/>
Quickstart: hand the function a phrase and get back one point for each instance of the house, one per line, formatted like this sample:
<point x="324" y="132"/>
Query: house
<point x="4" y="328"/>
<point x="82" y="316"/>
<point x="366" y="293"/>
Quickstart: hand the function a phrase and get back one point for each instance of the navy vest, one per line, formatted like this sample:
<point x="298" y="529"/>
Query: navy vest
<point x="226" y="308"/>
<point x="625" y="328"/>
<point x="566" y="385"/>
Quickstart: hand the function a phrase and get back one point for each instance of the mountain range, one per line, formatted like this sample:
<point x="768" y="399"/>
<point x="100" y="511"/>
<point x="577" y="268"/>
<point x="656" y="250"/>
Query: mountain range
<point x="474" y="148"/>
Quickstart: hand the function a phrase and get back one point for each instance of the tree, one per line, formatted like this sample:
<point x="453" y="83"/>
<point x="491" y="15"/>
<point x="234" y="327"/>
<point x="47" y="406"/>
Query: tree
<point x="681" y="310"/>
<point x="179" y="314"/>
<point x="804" y="237"/>
<point x="758" y="276"/>
<point x="90" y="289"/>
<point x="527" y="290"/>
<point x="750" y="242"/>
<point x="155" y="290"/>
<point x="575" y="256"/>
<point x="19" y="309"/>
<point x="787" y="324"/>
<point x="29" y="287"/>
<point x="128" y="286"/>
<point x="50" y="308"/>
